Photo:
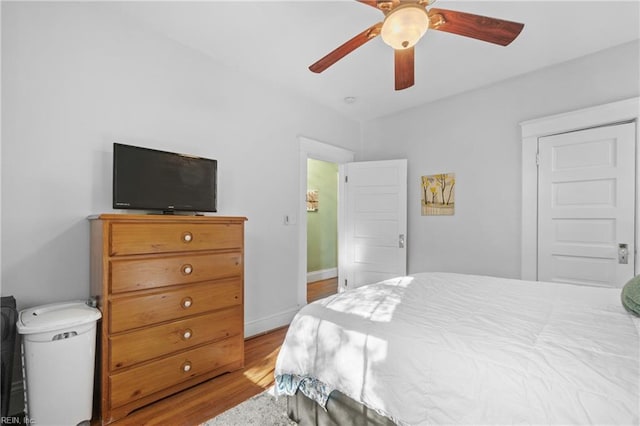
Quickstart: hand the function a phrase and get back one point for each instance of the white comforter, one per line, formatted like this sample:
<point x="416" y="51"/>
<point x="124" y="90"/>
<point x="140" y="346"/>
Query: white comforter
<point x="436" y="348"/>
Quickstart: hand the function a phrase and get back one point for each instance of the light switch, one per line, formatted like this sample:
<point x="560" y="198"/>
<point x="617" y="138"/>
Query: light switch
<point x="289" y="219"/>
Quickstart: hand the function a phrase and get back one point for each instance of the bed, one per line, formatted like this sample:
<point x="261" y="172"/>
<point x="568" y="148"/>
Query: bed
<point x="444" y="348"/>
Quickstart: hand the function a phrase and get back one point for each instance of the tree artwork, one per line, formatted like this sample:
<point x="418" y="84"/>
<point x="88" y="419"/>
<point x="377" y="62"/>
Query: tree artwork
<point x="438" y="194"/>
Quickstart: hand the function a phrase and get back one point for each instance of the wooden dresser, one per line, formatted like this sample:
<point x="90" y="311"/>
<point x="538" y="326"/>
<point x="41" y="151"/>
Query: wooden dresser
<point x="170" y="289"/>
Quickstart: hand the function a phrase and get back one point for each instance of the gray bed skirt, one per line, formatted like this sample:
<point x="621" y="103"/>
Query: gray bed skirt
<point x="341" y="410"/>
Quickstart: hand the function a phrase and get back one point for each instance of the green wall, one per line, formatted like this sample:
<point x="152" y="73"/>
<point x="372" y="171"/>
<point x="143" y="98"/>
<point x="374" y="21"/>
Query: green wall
<point x="322" y="225"/>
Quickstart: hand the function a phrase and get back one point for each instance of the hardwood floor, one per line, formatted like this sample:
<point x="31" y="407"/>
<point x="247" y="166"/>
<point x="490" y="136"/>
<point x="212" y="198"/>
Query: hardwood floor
<point x="202" y="402"/>
<point x="319" y="289"/>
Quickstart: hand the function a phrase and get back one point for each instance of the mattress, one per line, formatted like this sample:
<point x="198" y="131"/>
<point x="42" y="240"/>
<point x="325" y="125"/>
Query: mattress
<point x="434" y="348"/>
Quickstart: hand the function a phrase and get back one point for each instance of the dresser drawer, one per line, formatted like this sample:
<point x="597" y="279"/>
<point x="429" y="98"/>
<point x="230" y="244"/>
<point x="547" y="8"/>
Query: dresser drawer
<point x="149" y="343"/>
<point x="140" y="274"/>
<point x="154" y="307"/>
<point x="137" y="238"/>
<point x="155" y="376"/>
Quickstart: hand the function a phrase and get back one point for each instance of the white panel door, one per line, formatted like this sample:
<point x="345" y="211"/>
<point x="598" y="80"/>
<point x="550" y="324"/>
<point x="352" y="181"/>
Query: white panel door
<point x="586" y="212"/>
<point x="375" y="221"/>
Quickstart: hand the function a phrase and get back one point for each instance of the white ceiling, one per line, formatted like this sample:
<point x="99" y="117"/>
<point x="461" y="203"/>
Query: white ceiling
<point x="276" y="41"/>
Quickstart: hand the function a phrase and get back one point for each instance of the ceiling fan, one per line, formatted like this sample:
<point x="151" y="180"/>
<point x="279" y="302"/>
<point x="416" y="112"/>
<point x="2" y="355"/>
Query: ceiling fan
<point x="406" y="21"/>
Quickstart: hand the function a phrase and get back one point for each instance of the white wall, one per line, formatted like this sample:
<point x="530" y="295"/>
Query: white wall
<point x="476" y="135"/>
<point x="77" y="78"/>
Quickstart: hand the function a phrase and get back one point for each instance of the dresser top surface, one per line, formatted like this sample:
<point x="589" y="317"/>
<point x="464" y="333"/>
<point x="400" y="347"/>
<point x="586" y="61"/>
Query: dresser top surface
<point x="166" y="218"/>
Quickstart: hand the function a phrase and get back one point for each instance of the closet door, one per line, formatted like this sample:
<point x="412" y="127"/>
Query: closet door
<point x="586" y="199"/>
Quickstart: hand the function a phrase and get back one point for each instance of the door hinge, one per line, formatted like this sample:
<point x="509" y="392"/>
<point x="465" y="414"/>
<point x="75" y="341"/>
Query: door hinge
<point x="346" y="179"/>
<point x="345" y="282"/>
<point x="537" y="159"/>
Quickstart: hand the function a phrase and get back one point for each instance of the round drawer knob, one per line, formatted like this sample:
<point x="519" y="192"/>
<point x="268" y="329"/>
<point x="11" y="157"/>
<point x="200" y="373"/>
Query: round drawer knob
<point x="186" y="335"/>
<point x="187" y="237"/>
<point x="186" y="367"/>
<point x="187" y="302"/>
<point x="187" y="269"/>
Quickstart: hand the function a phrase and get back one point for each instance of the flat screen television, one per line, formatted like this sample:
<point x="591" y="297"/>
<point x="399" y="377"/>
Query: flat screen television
<point x="150" y="179"/>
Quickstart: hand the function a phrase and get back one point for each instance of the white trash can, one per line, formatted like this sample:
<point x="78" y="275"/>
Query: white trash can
<point x="58" y="362"/>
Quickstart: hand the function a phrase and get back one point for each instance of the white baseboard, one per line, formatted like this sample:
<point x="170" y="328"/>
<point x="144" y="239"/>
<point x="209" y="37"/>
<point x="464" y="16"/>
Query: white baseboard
<point x="259" y="326"/>
<point x="322" y="274"/>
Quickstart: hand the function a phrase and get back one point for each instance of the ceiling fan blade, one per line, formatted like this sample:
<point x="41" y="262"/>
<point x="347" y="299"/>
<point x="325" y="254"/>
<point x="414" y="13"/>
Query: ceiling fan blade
<point x="492" y="30"/>
<point x="404" y="67"/>
<point x="346" y="48"/>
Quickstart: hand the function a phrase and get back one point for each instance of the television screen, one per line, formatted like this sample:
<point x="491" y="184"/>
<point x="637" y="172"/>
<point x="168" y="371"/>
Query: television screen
<point x="150" y="179"/>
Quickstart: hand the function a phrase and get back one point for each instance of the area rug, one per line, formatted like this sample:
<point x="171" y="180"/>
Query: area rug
<point x="263" y="410"/>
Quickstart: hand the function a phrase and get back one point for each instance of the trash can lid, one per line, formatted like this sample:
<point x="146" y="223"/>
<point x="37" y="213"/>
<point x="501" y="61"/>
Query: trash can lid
<point x="56" y="316"/>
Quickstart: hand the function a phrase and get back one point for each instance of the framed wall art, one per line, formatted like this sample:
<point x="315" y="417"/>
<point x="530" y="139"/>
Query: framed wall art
<point x="312" y="200"/>
<point x="438" y="194"/>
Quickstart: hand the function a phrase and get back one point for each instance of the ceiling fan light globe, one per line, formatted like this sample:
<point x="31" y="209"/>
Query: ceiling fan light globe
<point x="404" y="26"/>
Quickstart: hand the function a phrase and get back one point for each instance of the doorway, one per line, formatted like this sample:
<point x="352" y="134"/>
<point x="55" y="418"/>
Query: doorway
<point x="372" y="201"/>
<point x="322" y="229"/>
<point x="538" y="131"/>
<point x="316" y="150"/>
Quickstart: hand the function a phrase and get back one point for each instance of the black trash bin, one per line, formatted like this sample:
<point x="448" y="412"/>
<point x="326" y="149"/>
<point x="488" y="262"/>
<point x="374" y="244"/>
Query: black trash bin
<point x="9" y="318"/>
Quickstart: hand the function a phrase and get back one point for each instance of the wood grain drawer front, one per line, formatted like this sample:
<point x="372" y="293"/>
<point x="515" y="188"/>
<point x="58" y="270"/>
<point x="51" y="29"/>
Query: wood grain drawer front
<point x="140" y="274"/>
<point x="136" y="238"/>
<point x="153" y="342"/>
<point x="155" y="376"/>
<point x="127" y="313"/>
